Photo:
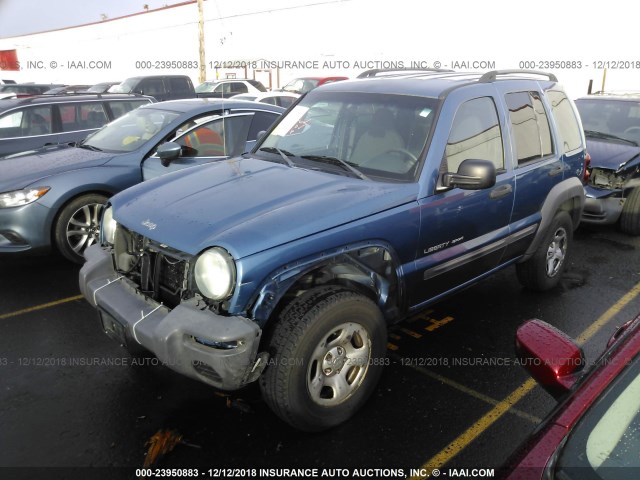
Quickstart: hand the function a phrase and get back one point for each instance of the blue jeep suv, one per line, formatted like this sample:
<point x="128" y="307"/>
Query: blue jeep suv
<point x="369" y="200"/>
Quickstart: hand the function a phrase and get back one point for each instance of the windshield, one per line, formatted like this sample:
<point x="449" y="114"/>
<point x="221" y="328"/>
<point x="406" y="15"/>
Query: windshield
<point x="613" y="118"/>
<point x="124" y="87"/>
<point x="130" y="131"/>
<point x="301" y="85"/>
<point x="381" y="136"/>
<point x="605" y="445"/>
<point x="205" y="87"/>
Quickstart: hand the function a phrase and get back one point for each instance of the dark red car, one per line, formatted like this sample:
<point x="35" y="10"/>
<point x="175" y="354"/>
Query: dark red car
<point x="594" y="432"/>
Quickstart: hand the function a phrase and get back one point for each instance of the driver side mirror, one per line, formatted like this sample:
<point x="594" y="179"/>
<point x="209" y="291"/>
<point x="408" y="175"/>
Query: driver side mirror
<point x="472" y="174"/>
<point x="168" y="152"/>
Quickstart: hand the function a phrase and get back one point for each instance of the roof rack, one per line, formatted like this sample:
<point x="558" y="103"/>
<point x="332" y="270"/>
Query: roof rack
<point x="492" y="76"/>
<point x="374" y="72"/>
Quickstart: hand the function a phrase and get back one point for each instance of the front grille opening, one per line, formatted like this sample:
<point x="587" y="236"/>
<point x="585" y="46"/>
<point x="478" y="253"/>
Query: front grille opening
<point x="158" y="273"/>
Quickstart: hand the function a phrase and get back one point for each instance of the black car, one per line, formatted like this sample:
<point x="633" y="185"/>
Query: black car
<point x="612" y="127"/>
<point x="160" y="87"/>
<point x="31" y="123"/>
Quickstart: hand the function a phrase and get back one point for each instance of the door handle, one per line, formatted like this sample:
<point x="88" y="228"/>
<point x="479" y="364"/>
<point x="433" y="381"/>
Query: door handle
<point x="501" y="191"/>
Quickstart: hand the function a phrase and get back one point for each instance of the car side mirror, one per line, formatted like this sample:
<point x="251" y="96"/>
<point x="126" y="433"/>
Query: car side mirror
<point x="551" y="357"/>
<point x="472" y="174"/>
<point x="168" y="152"/>
<point x="261" y="134"/>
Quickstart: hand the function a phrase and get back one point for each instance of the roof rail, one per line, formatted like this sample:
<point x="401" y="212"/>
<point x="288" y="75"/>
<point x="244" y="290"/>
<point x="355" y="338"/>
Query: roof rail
<point x="374" y="72"/>
<point x="492" y="76"/>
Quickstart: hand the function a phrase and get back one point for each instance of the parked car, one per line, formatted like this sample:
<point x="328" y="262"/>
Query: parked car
<point x="67" y="89"/>
<point x="594" y="432"/>
<point x="27" y="89"/>
<point x="31" y="123"/>
<point x="304" y="84"/>
<point x="5" y="82"/>
<point x="612" y="127"/>
<point x="229" y="87"/>
<point x="369" y="200"/>
<point x="102" y="87"/>
<point x="160" y="87"/>
<point x="54" y="197"/>
<point x="282" y="99"/>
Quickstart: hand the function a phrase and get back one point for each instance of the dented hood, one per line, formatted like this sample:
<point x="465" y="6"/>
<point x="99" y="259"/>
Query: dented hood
<point x="613" y="155"/>
<point x="249" y="205"/>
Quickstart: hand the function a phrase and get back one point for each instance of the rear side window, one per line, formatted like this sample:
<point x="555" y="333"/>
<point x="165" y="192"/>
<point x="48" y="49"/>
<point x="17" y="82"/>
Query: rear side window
<point x="568" y="125"/>
<point x="238" y="87"/>
<point x="179" y="85"/>
<point x="119" y="108"/>
<point x="82" y="116"/>
<point x="530" y="126"/>
<point x="475" y="134"/>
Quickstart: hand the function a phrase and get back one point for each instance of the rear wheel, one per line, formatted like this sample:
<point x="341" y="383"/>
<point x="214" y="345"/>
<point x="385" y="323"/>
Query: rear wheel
<point x="544" y="269"/>
<point x="78" y="226"/>
<point x="328" y="349"/>
<point x="630" y="216"/>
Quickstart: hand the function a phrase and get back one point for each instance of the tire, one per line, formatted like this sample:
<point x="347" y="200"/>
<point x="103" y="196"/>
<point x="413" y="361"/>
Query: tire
<point x="544" y="269"/>
<point x="630" y="216"/>
<point x="327" y="350"/>
<point x="78" y="226"/>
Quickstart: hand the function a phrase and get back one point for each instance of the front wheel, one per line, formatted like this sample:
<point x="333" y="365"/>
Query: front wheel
<point x="327" y="352"/>
<point x="630" y="216"/>
<point x="78" y="226"/>
<point x="544" y="269"/>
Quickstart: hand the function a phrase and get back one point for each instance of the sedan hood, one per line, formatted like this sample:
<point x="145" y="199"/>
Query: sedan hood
<point x="609" y="154"/>
<point x="249" y="205"/>
<point x="23" y="170"/>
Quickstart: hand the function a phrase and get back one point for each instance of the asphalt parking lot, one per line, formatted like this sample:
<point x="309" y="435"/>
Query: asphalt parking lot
<point x="452" y="396"/>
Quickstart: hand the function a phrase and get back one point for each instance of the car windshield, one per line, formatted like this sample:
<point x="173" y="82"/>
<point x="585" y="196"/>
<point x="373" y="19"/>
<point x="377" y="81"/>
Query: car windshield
<point x="614" y="119"/>
<point x="381" y="136"/>
<point x="205" y="87"/>
<point x="130" y="131"/>
<point x="606" y="442"/>
<point x="124" y="87"/>
<point x="301" y="85"/>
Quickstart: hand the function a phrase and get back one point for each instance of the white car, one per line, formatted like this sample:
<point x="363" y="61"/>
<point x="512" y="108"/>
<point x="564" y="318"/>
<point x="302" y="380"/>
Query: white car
<point x="282" y="99"/>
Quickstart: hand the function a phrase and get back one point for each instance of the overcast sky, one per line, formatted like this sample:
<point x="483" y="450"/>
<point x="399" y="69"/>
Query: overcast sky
<point x="19" y="17"/>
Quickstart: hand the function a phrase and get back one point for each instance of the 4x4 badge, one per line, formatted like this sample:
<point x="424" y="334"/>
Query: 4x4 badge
<point x="149" y="224"/>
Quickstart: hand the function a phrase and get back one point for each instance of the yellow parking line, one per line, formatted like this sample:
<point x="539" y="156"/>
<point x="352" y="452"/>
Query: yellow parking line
<point x="471" y="392"/>
<point x="40" y="307"/>
<point x="475" y="430"/>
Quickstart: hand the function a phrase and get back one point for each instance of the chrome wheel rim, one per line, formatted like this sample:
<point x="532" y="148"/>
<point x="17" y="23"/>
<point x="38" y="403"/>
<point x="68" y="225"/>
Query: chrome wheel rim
<point x="339" y="364"/>
<point x="557" y="252"/>
<point x="83" y="228"/>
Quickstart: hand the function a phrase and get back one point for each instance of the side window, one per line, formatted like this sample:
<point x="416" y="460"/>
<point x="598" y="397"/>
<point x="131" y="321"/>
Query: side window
<point x="286" y="102"/>
<point x="567" y="122"/>
<point x="119" y="108"/>
<point x="238" y="87"/>
<point x="36" y="121"/>
<point x="261" y="121"/>
<point x="269" y="100"/>
<point x="10" y="124"/>
<point x="179" y="85"/>
<point x="223" y="136"/>
<point x="77" y="116"/>
<point x="152" y="86"/>
<point x="530" y="126"/>
<point x="475" y="134"/>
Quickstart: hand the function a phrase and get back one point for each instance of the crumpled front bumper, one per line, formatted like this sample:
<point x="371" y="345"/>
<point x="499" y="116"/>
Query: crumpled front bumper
<point x="217" y="350"/>
<point x="602" y="207"/>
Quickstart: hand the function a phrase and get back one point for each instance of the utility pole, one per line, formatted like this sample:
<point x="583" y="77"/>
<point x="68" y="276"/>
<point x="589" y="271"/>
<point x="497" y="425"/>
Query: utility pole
<point x="203" y="70"/>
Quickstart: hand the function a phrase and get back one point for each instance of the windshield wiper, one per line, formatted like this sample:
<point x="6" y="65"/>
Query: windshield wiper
<point x="89" y="147"/>
<point x="283" y="153"/>
<point x="608" y="136"/>
<point x="338" y="162"/>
